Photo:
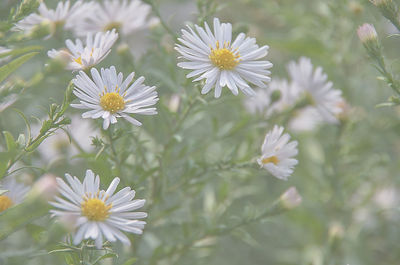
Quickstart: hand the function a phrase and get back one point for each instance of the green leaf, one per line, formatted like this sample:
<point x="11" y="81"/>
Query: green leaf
<point x="28" y="127"/>
<point x="11" y="67"/>
<point x="60" y="250"/>
<point x="10" y="141"/>
<point x="3" y="191"/>
<point x="25" y="8"/>
<point x="69" y="259"/>
<point x="20" y="215"/>
<point x="130" y="261"/>
<point x="20" y="51"/>
<point x="385" y="104"/>
<point x="106" y="256"/>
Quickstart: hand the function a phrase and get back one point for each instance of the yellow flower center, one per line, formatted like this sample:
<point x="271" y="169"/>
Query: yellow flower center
<point x="112" y="102"/>
<point x="224" y="58"/>
<point x="78" y="60"/>
<point x="5" y="202"/>
<point x="95" y="209"/>
<point x="113" y="25"/>
<point x="271" y="159"/>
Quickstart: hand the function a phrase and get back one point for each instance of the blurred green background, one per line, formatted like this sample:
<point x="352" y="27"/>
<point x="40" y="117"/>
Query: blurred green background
<point x="347" y="173"/>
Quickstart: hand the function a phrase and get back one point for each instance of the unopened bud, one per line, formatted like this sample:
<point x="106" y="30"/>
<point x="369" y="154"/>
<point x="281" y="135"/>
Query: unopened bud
<point x="275" y="96"/>
<point x="123" y="49"/>
<point x="43" y="30"/>
<point x="173" y="104"/>
<point x="290" y="198"/>
<point x="46" y="186"/>
<point x="336" y="231"/>
<point x="355" y="7"/>
<point x="367" y="33"/>
<point x="69" y="221"/>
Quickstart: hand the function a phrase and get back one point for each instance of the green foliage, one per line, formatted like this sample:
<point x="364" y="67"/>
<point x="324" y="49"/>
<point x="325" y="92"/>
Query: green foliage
<point x="208" y="201"/>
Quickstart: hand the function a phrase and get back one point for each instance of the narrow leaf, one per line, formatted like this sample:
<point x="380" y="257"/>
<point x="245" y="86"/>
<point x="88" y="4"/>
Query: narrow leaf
<point x="11" y="67"/>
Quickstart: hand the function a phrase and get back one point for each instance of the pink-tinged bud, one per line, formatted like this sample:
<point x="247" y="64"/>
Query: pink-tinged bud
<point x="367" y="33"/>
<point x="291" y="198"/>
<point x="46" y="186"/>
<point x="336" y="230"/>
<point x="173" y="104"/>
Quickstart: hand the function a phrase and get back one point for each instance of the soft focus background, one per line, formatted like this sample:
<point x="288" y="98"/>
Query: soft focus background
<point x="184" y="160"/>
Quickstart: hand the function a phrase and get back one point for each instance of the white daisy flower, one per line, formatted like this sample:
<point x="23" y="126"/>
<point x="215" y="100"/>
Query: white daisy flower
<point x="261" y="103"/>
<point x="15" y="194"/>
<point x="99" y="213"/>
<point x="62" y="15"/>
<point x="214" y="57"/>
<point x="305" y="119"/>
<point x="108" y="97"/>
<point x="277" y="153"/>
<point x="83" y="57"/>
<point x="127" y="17"/>
<point x="314" y="83"/>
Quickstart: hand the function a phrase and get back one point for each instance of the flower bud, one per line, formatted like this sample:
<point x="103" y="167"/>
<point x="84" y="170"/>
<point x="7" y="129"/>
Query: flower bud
<point x="275" y="96"/>
<point x="355" y="7"/>
<point x="173" y="104"/>
<point x="43" y="30"/>
<point x="46" y="186"/>
<point x="290" y="198"/>
<point x="336" y="231"/>
<point x="367" y="33"/>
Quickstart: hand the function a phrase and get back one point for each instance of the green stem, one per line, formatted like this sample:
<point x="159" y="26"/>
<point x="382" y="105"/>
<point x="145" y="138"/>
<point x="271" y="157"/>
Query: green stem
<point x="162" y="21"/>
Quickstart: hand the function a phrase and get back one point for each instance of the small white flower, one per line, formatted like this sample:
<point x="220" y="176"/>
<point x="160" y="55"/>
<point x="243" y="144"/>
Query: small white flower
<point x="261" y="103"/>
<point x="214" y="57"/>
<point x="305" y="119"/>
<point x="83" y="57"/>
<point x="15" y="194"/>
<point x="127" y="17"/>
<point x="99" y="213"/>
<point x="108" y="97"/>
<point x="325" y="99"/>
<point x="63" y="15"/>
<point x="277" y="153"/>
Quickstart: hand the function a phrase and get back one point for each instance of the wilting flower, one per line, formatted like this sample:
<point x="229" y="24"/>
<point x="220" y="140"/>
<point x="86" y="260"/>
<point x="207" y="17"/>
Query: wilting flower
<point x="63" y="15"/>
<point x="82" y="57"/>
<point x="127" y="17"/>
<point x="367" y="32"/>
<point x="108" y="97"/>
<point x="277" y="153"/>
<point x="214" y="57"/>
<point x="99" y="213"/>
<point x="15" y="194"/>
<point x="313" y="83"/>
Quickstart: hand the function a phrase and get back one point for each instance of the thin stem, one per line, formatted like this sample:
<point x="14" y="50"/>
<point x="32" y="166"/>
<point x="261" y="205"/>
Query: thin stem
<point x="162" y="21"/>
